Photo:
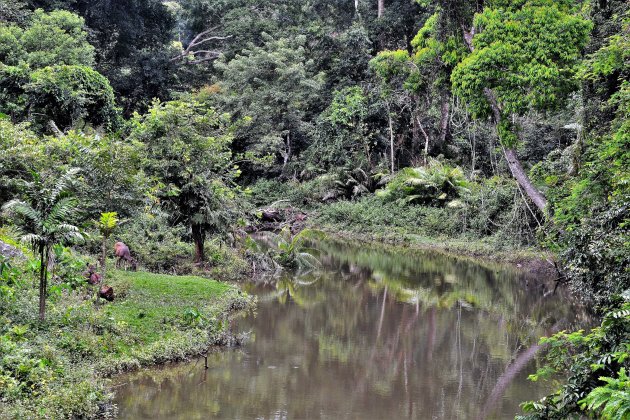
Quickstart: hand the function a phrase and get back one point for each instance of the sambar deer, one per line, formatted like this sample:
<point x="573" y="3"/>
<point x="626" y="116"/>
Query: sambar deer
<point x="123" y="256"/>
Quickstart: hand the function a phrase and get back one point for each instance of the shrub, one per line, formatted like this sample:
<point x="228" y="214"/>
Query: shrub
<point x="156" y="245"/>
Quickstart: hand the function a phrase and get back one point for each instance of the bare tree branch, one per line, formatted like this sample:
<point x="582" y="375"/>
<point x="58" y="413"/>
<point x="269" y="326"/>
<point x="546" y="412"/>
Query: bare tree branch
<point x="199" y="39"/>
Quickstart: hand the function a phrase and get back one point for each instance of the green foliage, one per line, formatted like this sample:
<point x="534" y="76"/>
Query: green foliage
<point x="190" y="162"/>
<point x="595" y="364"/>
<point x="108" y="222"/>
<point x="56" y="370"/>
<point x="613" y="399"/>
<point x="50" y="39"/>
<point x="527" y="54"/>
<point x="370" y="215"/>
<point x="267" y="191"/>
<point x="592" y="207"/>
<point x="343" y="135"/>
<point x="348" y="107"/>
<point x="491" y="211"/>
<point x="9" y="279"/>
<point x="290" y="250"/>
<point x="69" y="95"/>
<point x="430" y="64"/>
<point x="111" y="170"/>
<point x="47" y="75"/>
<point x="276" y="86"/>
<point x="156" y="244"/>
<point x="68" y="270"/>
<point x="46" y="221"/>
<point x="110" y="176"/>
<point x="19" y="155"/>
<point x="436" y="183"/>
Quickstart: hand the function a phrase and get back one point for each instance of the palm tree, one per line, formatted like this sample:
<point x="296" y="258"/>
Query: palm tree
<point x="44" y="220"/>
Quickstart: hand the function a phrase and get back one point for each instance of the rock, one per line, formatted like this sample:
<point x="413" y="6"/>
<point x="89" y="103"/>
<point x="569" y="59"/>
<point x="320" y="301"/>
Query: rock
<point x="9" y="251"/>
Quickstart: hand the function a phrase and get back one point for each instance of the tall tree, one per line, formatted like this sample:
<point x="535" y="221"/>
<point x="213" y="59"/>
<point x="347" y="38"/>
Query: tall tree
<point x="133" y="45"/>
<point x="523" y="56"/>
<point x="189" y="159"/>
<point x="46" y="73"/>
<point x="274" y="85"/>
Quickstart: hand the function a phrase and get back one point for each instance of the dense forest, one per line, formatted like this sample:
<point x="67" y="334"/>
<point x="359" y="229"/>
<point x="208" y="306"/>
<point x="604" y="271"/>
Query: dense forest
<point x="177" y="127"/>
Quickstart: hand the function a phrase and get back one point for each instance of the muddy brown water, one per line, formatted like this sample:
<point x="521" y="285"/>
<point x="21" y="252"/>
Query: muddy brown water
<point x="375" y="333"/>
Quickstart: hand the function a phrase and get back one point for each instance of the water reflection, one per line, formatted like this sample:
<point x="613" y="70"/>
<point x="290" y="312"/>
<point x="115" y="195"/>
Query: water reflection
<point x="374" y="334"/>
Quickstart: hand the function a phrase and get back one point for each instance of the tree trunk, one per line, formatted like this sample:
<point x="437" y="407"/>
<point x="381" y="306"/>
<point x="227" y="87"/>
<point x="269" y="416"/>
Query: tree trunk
<point x="445" y="110"/>
<point x="512" y="159"/>
<point x="391" y="139"/>
<point x="506" y="378"/>
<point x="43" y="274"/>
<point x="426" y="142"/>
<point x="104" y="257"/>
<point x="510" y="153"/>
<point x="199" y="238"/>
<point x="415" y="134"/>
<point x="523" y="180"/>
<point x="381" y="8"/>
<point x="286" y="155"/>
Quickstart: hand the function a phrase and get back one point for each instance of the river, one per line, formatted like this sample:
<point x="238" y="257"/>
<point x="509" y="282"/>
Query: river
<point x="375" y="333"/>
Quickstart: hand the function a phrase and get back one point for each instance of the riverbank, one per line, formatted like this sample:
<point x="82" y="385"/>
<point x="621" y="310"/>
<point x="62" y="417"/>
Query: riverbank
<point x="535" y="262"/>
<point x="490" y="234"/>
<point x="59" y="368"/>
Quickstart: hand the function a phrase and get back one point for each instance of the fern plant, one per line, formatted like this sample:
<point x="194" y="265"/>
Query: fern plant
<point x="290" y="250"/>
<point x="582" y="358"/>
<point x="435" y="183"/>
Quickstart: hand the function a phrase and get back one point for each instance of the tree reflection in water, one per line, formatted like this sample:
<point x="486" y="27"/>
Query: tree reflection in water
<point x="372" y="334"/>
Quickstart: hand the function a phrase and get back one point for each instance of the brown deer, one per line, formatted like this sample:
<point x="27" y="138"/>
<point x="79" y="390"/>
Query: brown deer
<point x="121" y="251"/>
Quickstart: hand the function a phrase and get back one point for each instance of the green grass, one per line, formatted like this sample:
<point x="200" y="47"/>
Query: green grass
<point x="152" y="304"/>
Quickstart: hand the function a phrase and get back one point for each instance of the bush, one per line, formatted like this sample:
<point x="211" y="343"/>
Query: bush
<point x="371" y="215"/>
<point x="597" y="256"/>
<point x="161" y="248"/>
<point x="156" y="245"/>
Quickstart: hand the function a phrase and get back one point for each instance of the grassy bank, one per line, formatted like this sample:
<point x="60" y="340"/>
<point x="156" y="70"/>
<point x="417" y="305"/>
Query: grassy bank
<point x="454" y="231"/>
<point x="531" y="260"/>
<point x="58" y="369"/>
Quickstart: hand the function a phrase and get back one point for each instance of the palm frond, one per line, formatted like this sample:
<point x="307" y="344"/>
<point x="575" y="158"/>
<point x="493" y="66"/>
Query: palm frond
<point x="22" y="209"/>
<point x="33" y="240"/>
<point x="63" y="209"/>
<point x="63" y="184"/>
